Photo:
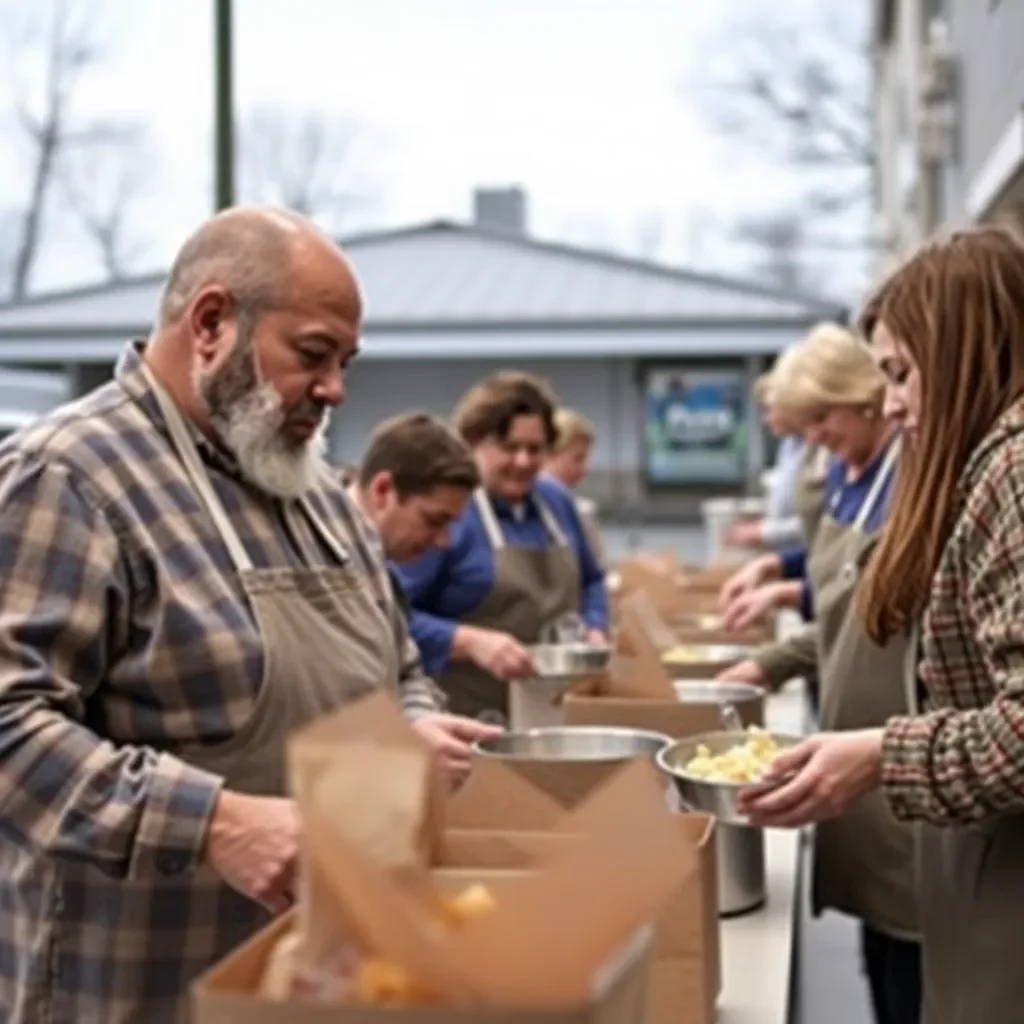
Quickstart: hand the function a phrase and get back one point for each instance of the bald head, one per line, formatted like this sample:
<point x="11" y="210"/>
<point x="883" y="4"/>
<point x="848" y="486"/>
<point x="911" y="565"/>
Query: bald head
<point x="259" y="255"/>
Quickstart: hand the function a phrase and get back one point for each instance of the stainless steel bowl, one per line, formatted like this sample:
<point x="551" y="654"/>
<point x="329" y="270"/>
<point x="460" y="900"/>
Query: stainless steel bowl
<point x="568" y="661"/>
<point x="717" y="798"/>
<point x="573" y="743"/>
<point x="692" y="691"/>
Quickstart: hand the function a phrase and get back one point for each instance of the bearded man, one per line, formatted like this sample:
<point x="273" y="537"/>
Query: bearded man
<point x="184" y="583"/>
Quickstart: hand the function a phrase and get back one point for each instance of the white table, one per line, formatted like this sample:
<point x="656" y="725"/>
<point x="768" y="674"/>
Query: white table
<point x="757" y="948"/>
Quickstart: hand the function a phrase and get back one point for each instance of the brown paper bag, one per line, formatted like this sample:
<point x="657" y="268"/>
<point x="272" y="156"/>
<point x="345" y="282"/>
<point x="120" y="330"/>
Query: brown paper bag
<point x="517" y="956"/>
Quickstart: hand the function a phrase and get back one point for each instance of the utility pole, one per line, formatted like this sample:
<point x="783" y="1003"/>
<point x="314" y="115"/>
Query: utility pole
<point x="223" y="106"/>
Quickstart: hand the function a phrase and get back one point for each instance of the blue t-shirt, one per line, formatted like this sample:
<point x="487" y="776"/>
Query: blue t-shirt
<point x="842" y="500"/>
<point x="445" y="584"/>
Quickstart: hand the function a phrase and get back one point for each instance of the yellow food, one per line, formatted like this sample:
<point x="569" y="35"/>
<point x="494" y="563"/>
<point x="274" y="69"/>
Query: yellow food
<point x="682" y="654"/>
<point x="380" y="982"/>
<point x="470" y="904"/>
<point x="745" y="762"/>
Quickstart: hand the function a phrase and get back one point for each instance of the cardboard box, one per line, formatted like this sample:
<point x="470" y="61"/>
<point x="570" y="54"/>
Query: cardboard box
<point x="506" y="817"/>
<point x="548" y="953"/>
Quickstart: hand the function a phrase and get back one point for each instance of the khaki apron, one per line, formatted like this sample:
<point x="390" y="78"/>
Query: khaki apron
<point x="532" y="588"/>
<point x="810" y="488"/>
<point x="972" y="911"/>
<point x="327" y="640"/>
<point x="864" y="860"/>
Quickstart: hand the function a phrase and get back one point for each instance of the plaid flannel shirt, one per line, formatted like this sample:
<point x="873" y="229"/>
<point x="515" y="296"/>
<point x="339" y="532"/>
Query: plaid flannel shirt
<point x="124" y="632"/>
<point x="963" y="760"/>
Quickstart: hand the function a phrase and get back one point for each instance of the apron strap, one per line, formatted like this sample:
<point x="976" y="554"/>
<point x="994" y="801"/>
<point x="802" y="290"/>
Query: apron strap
<point x="493" y="528"/>
<point x="881" y="478"/>
<point x="491" y="525"/>
<point x="551" y="523"/>
<point x="196" y="472"/>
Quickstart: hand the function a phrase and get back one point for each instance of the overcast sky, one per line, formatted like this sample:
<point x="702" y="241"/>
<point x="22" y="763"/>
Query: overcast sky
<point x="580" y="101"/>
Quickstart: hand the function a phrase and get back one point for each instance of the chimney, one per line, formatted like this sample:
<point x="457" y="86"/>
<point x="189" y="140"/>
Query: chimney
<point x="500" y="209"/>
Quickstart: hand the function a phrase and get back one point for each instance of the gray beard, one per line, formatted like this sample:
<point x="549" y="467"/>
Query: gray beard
<point x="247" y="417"/>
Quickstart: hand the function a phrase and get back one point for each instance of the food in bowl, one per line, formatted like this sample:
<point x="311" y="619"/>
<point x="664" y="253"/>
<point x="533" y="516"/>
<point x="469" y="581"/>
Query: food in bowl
<point x="684" y="654"/>
<point x="744" y="762"/>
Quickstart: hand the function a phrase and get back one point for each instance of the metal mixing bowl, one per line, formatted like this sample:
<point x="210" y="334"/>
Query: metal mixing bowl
<point x="692" y="691"/>
<point x="571" y="660"/>
<point x="574" y="743"/>
<point x="717" y="798"/>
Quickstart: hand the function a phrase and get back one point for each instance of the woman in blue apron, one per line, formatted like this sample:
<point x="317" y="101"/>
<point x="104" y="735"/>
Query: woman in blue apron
<point x="863" y="861"/>
<point x="518" y="558"/>
<point x="947" y="328"/>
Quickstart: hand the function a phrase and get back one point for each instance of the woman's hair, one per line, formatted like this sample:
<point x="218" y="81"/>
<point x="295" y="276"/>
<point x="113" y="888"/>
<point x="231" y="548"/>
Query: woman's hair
<point x="489" y="408"/>
<point x="831" y="367"/>
<point x="957" y="306"/>
<point x="572" y="428"/>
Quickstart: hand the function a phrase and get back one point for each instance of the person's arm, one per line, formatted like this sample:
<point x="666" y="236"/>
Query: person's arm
<point x="950" y="766"/>
<point x="418" y="694"/>
<point x="793" y="562"/>
<point x="64" y="614"/>
<point x="797" y="655"/>
<point x="432" y="634"/>
<point x="781" y="532"/>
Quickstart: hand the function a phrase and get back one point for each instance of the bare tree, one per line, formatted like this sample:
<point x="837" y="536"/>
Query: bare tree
<point x="794" y="95"/>
<point x="52" y="46"/>
<point x="306" y="162"/>
<point x="101" y="187"/>
<point x="780" y="250"/>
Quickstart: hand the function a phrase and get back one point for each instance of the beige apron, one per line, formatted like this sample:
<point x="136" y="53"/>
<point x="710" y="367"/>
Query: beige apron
<point x="864" y="860"/>
<point x="532" y="588"/>
<point x="972" y="911"/>
<point x="810" y="488"/>
<point x="327" y="640"/>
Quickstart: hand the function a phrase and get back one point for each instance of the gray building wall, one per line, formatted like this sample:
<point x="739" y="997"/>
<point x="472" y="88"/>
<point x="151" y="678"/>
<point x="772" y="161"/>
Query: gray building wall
<point x="607" y="391"/>
<point x="988" y="36"/>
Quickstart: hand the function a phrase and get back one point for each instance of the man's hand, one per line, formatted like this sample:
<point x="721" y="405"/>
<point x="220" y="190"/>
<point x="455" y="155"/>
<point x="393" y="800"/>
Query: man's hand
<point x="498" y="653"/>
<point x="597" y="637"/>
<point x="253" y="844"/>
<point x="450" y="737"/>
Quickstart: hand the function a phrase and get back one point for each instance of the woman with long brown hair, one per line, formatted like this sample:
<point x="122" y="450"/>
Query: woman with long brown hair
<point x="948" y="332"/>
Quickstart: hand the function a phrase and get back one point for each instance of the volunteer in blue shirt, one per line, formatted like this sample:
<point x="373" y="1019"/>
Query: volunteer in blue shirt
<point x="517" y="558"/>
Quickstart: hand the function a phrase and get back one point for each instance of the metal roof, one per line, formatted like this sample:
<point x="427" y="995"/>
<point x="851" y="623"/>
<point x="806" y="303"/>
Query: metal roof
<point x="442" y="277"/>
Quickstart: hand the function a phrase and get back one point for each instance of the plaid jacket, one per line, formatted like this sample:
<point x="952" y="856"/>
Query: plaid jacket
<point x="963" y="760"/>
<point x="124" y="632"/>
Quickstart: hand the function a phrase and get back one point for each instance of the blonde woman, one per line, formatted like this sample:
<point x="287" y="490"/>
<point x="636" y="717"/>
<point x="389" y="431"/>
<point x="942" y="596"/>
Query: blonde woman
<point x="830" y="389"/>
<point x="568" y="461"/>
<point x="863" y="861"/>
<point x="782" y="524"/>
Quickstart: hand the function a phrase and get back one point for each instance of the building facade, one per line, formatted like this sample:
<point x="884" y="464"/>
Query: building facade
<point x="949" y="116"/>
<point x="661" y="360"/>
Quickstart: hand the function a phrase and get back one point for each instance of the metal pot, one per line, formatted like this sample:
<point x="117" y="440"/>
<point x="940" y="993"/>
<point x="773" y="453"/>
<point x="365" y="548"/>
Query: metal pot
<point x="537" y="702"/>
<point x="573" y="743"/>
<point x="739" y="847"/>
